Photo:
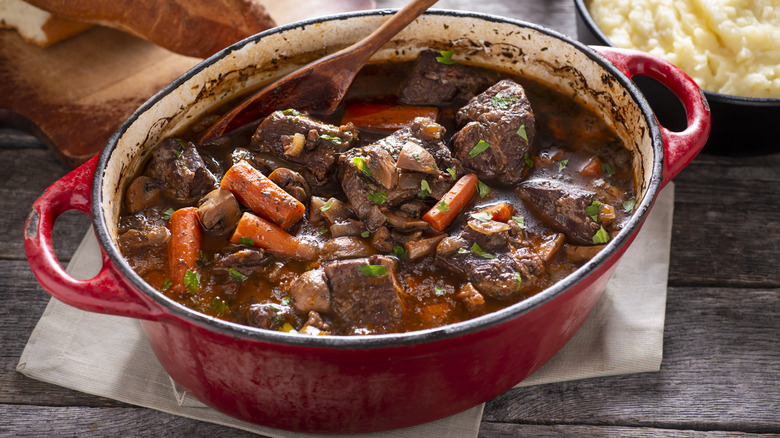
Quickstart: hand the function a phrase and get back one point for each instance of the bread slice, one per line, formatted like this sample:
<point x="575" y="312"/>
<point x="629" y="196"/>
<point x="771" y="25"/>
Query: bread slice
<point x="36" y="25"/>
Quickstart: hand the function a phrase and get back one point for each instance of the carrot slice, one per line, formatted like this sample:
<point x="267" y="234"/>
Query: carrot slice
<point x="389" y="117"/>
<point x="256" y="231"/>
<point x="500" y="212"/>
<point x="184" y="248"/>
<point x="452" y="203"/>
<point x="592" y="168"/>
<point x="262" y="195"/>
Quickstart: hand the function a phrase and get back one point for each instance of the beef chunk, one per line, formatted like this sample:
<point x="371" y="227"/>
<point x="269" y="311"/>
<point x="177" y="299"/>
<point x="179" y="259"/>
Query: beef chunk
<point x="135" y="241"/>
<point x="562" y="206"/>
<point x="180" y="171"/>
<point x="364" y="299"/>
<point x="435" y="83"/>
<point x="501" y="277"/>
<point x="270" y="316"/>
<point x="299" y="139"/>
<point x="310" y="292"/>
<point x="495" y="117"/>
<point x="247" y="261"/>
<point x="490" y="235"/>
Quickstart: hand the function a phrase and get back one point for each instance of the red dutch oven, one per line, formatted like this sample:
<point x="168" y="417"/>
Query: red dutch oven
<point x="364" y="383"/>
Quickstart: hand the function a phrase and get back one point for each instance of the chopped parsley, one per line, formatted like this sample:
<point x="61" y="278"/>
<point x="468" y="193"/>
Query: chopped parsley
<point x="453" y="173"/>
<point x="425" y="189"/>
<point x="446" y="57"/>
<point x="519" y="220"/>
<point x="478" y="148"/>
<point x="168" y="213"/>
<point x="372" y="270"/>
<point x="322" y="231"/>
<point x="562" y="164"/>
<point x="220" y="306"/>
<point x="521" y="132"/>
<point x="331" y="138"/>
<point x="247" y="241"/>
<point x="286" y="301"/>
<point x="607" y="168"/>
<point x="236" y="275"/>
<point x="528" y="160"/>
<point x="416" y="157"/>
<point x="327" y="206"/>
<point x="400" y="252"/>
<point x="439" y="291"/>
<point x="178" y="154"/>
<point x="518" y="280"/>
<point x="443" y="207"/>
<point x="476" y="249"/>
<point x="502" y="102"/>
<point x="629" y="205"/>
<point x="377" y="197"/>
<point x="192" y="281"/>
<point x="463" y="251"/>
<point x="360" y="163"/>
<point x="167" y="285"/>
<point x="593" y="211"/>
<point x="601" y="236"/>
<point x="291" y="112"/>
<point x="483" y="189"/>
<point x="365" y="234"/>
<point x="482" y="216"/>
<point x="181" y="143"/>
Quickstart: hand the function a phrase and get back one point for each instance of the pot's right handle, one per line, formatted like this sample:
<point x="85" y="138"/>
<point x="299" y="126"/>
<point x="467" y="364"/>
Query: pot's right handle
<point x="107" y="292"/>
<point x="679" y="147"/>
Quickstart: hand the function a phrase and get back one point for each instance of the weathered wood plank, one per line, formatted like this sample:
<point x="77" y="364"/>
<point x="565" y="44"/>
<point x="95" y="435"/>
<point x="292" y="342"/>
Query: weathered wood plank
<point x="504" y="430"/>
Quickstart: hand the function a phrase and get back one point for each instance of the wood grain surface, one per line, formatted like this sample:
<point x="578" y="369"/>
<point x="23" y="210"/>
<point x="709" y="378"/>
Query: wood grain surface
<point x="720" y="375"/>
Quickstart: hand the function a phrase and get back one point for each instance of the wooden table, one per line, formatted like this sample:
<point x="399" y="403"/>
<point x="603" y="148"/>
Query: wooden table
<point x="720" y="375"/>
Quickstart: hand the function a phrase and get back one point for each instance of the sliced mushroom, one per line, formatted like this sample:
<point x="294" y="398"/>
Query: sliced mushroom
<point x="345" y="248"/>
<point x="550" y="246"/>
<point x="381" y="240"/>
<point x="378" y="165"/>
<point x="576" y="254"/>
<point x="336" y="211"/>
<point x="415" y="158"/>
<point x="421" y="247"/>
<point x="350" y="227"/>
<point x="450" y="245"/>
<point x="310" y="292"/>
<point x="291" y="182"/>
<point x="141" y="194"/>
<point x="219" y="210"/>
<point x="470" y="297"/>
<point x="403" y="223"/>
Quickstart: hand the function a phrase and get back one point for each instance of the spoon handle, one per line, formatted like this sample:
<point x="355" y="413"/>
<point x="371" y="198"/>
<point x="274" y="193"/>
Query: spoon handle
<point x="396" y="23"/>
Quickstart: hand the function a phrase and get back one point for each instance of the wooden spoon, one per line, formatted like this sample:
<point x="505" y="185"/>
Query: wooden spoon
<point x="317" y="87"/>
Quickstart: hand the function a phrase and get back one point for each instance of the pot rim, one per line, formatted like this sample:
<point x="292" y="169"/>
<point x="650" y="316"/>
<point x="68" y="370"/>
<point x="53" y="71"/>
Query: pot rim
<point x="594" y="29"/>
<point x="172" y="308"/>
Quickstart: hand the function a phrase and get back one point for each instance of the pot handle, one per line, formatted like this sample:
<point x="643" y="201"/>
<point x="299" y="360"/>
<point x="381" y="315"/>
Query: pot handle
<point x="679" y="147"/>
<point x="107" y="292"/>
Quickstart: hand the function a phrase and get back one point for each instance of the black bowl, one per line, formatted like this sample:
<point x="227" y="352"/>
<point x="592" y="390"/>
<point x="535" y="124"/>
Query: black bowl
<point x="740" y="125"/>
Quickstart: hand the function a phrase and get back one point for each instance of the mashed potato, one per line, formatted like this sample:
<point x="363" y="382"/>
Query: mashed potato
<point x="727" y="46"/>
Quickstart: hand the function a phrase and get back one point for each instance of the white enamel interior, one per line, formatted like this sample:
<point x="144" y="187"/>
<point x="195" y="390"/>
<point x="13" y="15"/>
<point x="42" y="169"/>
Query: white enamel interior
<point x="479" y="40"/>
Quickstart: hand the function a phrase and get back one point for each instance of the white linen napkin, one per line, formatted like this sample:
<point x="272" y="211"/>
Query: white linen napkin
<point x="109" y="356"/>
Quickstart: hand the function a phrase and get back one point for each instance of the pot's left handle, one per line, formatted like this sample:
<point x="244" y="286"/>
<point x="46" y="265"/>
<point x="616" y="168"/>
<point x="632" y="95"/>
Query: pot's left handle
<point x="107" y="292"/>
<point x="680" y="148"/>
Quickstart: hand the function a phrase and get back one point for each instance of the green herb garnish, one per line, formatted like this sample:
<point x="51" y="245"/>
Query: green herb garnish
<point x="528" y="160"/>
<point x="377" y="197"/>
<point x="443" y="207"/>
<point x="463" y="251"/>
<point x="478" y="148"/>
<point x="607" y="168"/>
<point x="331" y="138"/>
<point x="360" y="163"/>
<point x="291" y="112"/>
<point x="167" y="285"/>
<point x="562" y="164"/>
<point x="168" y="213"/>
<point x="372" y="270"/>
<point x="365" y="234"/>
<point x="425" y="189"/>
<point x="483" y="189"/>
<point x="518" y="280"/>
<point x="502" y="102"/>
<point x="327" y="206"/>
<point x="400" y="252"/>
<point x="247" y="241"/>
<point x="192" y="281"/>
<point x="236" y="275"/>
<point x="322" y="231"/>
<point x="286" y="301"/>
<point x="476" y="249"/>
<point x="521" y="132"/>
<point x="453" y="173"/>
<point x="629" y="205"/>
<point x="593" y="211"/>
<point x="439" y="291"/>
<point x="482" y="216"/>
<point x="520" y="220"/>
<point x="416" y="157"/>
<point x="220" y="306"/>
<point x="601" y="236"/>
<point x="446" y="57"/>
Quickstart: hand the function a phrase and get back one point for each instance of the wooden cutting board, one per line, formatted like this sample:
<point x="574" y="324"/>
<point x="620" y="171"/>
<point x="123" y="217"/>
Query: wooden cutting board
<point x="75" y="94"/>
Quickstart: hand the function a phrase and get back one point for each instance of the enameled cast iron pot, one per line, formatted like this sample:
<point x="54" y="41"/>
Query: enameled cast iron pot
<point x="741" y="125"/>
<point x="363" y="383"/>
